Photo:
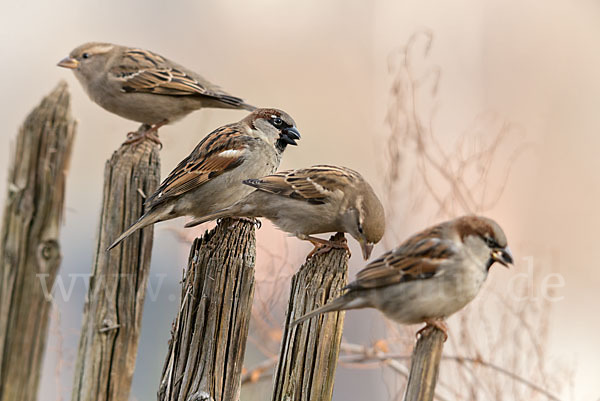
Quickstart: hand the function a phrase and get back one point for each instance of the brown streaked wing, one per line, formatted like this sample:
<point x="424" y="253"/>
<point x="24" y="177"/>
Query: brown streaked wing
<point x="147" y="72"/>
<point x="417" y="258"/>
<point x="203" y="164"/>
<point x="135" y="61"/>
<point x="164" y="82"/>
<point x="310" y="184"/>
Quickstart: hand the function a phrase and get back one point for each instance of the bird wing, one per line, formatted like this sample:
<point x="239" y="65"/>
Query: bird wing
<point x="145" y="72"/>
<point x="314" y="184"/>
<point x="222" y="150"/>
<point x="417" y="258"/>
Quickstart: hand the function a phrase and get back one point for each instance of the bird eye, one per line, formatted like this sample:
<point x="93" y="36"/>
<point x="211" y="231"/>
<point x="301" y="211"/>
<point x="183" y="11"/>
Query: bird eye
<point x="277" y="122"/>
<point x="490" y="242"/>
<point x="85" y="55"/>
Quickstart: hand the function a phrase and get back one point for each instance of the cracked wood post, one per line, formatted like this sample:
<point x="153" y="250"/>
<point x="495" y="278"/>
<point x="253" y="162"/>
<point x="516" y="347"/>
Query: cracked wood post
<point x="112" y="314"/>
<point x="309" y="351"/>
<point x="29" y="248"/>
<point x="208" y="338"/>
<point x="424" y="366"/>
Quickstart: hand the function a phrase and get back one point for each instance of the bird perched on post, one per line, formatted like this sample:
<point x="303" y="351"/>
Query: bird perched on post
<point x="210" y="178"/>
<point x="430" y="276"/>
<point x="314" y="200"/>
<point x="143" y="86"/>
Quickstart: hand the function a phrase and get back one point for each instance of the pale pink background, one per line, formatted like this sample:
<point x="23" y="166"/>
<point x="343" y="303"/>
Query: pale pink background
<point x="325" y="62"/>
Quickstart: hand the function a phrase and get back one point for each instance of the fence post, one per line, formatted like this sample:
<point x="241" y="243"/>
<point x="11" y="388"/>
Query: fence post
<point x="112" y="314"/>
<point x="424" y="366"/>
<point x="209" y="335"/>
<point x="29" y="247"/>
<point x="309" y="351"/>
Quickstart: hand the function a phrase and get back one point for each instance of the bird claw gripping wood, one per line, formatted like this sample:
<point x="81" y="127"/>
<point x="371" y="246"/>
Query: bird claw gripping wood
<point x="145" y="131"/>
<point x="323" y="246"/>
<point x="439" y="324"/>
<point x="257" y="223"/>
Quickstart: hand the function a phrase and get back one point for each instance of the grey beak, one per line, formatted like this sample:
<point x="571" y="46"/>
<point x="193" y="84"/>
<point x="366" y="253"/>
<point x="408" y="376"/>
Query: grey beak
<point x="366" y="249"/>
<point x="503" y="256"/>
<point x="290" y="135"/>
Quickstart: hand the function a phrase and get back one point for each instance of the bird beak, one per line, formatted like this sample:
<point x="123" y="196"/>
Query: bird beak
<point x="68" y="62"/>
<point x="503" y="256"/>
<point x="366" y="248"/>
<point x="290" y="135"/>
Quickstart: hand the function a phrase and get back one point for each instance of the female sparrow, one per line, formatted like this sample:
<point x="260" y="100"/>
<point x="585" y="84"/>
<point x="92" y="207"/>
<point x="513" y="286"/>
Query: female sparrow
<point x="143" y="86"/>
<point x="430" y="276"/>
<point x="314" y="200"/>
<point x="210" y="178"/>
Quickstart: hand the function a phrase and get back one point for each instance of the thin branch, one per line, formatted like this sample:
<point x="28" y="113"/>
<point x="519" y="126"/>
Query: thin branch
<point x="369" y="357"/>
<point x="361" y="354"/>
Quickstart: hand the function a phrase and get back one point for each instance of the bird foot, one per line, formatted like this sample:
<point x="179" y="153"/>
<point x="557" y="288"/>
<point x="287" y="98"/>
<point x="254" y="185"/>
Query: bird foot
<point x="257" y="223"/>
<point x="146" y="131"/>
<point x="439" y="324"/>
<point x="323" y="246"/>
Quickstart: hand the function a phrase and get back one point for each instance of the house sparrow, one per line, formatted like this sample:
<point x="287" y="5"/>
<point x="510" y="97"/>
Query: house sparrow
<point x="210" y="178"/>
<point x="430" y="276"/>
<point x="314" y="200"/>
<point x="143" y="86"/>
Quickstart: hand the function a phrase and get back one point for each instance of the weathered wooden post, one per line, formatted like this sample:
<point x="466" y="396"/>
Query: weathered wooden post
<point x="209" y="335"/>
<point x="309" y="351"/>
<point x="112" y="314"/>
<point x="424" y="366"/>
<point x="29" y="247"/>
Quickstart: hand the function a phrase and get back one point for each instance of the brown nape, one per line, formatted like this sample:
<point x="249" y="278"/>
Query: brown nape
<point x="268" y="113"/>
<point x="482" y="226"/>
<point x="474" y="225"/>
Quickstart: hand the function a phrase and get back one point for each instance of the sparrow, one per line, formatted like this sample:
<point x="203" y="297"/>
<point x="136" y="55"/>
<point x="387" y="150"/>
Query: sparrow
<point x="210" y="178"/>
<point x="143" y="86"/>
<point x="430" y="276"/>
<point x="313" y="200"/>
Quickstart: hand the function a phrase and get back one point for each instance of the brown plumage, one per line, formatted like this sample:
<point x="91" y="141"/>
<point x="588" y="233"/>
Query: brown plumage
<point x="143" y="86"/>
<point x="314" y="200"/>
<point x="429" y="276"/>
<point x="211" y="177"/>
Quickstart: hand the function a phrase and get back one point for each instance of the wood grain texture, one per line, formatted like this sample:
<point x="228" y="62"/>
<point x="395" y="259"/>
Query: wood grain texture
<point x="29" y="246"/>
<point x="424" y="365"/>
<point x="112" y="314"/>
<point x="309" y="351"/>
<point x="209" y="335"/>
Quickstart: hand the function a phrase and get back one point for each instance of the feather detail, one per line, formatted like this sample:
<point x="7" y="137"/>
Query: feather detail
<point x="222" y="150"/>
<point x="143" y="71"/>
<point x="418" y="258"/>
<point x="314" y="184"/>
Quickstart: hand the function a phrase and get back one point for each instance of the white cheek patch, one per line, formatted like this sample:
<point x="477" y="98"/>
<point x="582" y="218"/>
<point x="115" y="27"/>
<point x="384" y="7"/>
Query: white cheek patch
<point x="232" y="153"/>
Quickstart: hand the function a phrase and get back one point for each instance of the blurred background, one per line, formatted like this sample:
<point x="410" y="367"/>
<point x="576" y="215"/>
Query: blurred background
<point x="503" y="93"/>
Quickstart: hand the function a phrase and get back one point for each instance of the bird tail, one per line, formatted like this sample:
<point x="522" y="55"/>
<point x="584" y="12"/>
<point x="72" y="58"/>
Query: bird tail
<point x="153" y="216"/>
<point x="234" y="102"/>
<point x="350" y="300"/>
<point x="247" y="106"/>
